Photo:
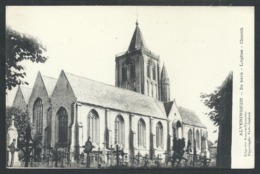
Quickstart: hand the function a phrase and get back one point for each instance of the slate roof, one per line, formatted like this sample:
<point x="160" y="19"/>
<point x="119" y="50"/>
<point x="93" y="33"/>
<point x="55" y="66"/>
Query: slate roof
<point x="100" y="94"/>
<point x="49" y="83"/>
<point x="190" y="118"/>
<point x="168" y="107"/>
<point x="137" y="40"/>
<point x="26" y="92"/>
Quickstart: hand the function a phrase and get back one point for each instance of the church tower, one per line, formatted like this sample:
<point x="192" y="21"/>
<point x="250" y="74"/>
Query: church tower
<point x="165" y="81"/>
<point x="138" y="69"/>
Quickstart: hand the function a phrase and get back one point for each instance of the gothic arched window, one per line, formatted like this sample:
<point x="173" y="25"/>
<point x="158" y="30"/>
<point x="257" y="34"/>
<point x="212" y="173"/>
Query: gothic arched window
<point x="148" y="69"/>
<point x="190" y="136"/>
<point x="154" y="72"/>
<point x="124" y="73"/>
<point x="152" y="89"/>
<point x="37" y="115"/>
<point x="48" y="128"/>
<point x="179" y="131"/>
<point x="148" y="87"/>
<point x="119" y="130"/>
<point x="62" y="125"/>
<point x="159" y="135"/>
<point x="132" y="70"/>
<point x="93" y="126"/>
<point x="141" y="133"/>
<point x="197" y="139"/>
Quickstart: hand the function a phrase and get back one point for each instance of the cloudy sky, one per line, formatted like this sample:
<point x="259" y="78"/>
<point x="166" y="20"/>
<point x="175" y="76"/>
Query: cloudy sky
<point x="196" y="44"/>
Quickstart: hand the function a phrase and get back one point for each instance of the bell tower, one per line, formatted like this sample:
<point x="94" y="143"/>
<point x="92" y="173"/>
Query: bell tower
<point x="138" y="69"/>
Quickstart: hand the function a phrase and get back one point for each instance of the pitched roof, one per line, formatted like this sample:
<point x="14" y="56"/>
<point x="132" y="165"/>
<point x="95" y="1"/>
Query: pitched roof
<point x="137" y="40"/>
<point x="49" y="83"/>
<point x="168" y="107"/>
<point x="97" y="93"/>
<point x="190" y="118"/>
<point x="26" y="92"/>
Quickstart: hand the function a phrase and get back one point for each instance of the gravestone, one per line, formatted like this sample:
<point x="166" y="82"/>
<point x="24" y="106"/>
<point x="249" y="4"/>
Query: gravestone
<point x="11" y="140"/>
<point x="204" y="146"/>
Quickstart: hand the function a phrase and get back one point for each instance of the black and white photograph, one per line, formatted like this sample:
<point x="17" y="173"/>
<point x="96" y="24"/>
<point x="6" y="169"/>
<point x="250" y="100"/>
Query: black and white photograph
<point x="129" y="87"/>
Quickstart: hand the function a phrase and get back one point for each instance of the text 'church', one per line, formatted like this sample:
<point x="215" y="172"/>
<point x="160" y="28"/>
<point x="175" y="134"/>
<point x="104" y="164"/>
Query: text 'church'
<point x="137" y="113"/>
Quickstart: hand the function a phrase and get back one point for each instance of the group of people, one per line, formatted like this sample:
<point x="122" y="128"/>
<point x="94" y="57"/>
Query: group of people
<point x="179" y="150"/>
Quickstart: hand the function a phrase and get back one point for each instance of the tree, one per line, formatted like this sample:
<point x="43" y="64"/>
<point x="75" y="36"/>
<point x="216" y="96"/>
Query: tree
<point x="21" y="119"/>
<point x="220" y="103"/>
<point x="20" y="47"/>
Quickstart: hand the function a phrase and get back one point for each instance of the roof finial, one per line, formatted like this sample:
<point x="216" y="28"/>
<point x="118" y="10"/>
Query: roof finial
<point x="136" y="23"/>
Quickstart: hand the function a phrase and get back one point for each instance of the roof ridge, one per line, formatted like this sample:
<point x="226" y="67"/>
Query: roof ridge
<point x="25" y="87"/>
<point x="49" y="77"/>
<point x="112" y="86"/>
<point x="187" y="109"/>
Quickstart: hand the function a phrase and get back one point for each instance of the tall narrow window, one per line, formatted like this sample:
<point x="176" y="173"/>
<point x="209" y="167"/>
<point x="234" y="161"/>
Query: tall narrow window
<point x="132" y="70"/>
<point x="148" y="88"/>
<point x="141" y="133"/>
<point x="197" y="139"/>
<point x="119" y="130"/>
<point x="148" y="69"/>
<point x="93" y="126"/>
<point x="159" y="135"/>
<point x="190" y="136"/>
<point x="154" y="72"/>
<point x="124" y="73"/>
<point x="179" y="130"/>
<point x="62" y="125"/>
<point x="48" y="136"/>
<point x="37" y="115"/>
<point x="152" y="89"/>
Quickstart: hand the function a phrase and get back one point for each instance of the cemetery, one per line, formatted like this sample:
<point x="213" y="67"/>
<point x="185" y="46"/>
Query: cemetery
<point x="23" y="151"/>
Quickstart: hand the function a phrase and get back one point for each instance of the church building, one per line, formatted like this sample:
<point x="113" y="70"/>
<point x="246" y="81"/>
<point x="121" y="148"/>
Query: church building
<point x="137" y="113"/>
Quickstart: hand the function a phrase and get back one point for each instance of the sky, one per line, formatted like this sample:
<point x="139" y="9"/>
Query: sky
<point x="196" y="44"/>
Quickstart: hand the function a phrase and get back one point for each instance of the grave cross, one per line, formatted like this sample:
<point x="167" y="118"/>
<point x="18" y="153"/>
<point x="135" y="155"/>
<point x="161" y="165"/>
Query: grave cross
<point x="97" y="153"/>
<point x="166" y="157"/>
<point x="158" y="159"/>
<point x="109" y="152"/>
<point x="13" y="149"/>
<point x="146" y="160"/>
<point x="55" y="154"/>
<point x="138" y="158"/>
<point x="88" y="149"/>
<point x="27" y="143"/>
<point x="62" y="155"/>
<point x="117" y="152"/>
<point x="48" y="155"/>
<point x="123" y="155"/>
